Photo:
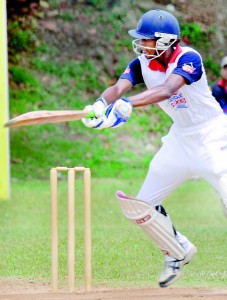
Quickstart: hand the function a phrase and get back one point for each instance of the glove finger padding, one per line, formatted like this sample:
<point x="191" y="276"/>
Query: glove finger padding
<point x="115" y="116"/>
<point x="99" y="107"/>
<point x="93" y="122"/>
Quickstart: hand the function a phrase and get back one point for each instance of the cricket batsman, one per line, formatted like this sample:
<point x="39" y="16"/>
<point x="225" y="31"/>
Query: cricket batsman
<point x="196" y="143"/>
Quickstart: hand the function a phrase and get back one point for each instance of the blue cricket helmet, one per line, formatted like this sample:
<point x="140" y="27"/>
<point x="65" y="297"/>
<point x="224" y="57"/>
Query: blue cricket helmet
<point x="156" y="22"/>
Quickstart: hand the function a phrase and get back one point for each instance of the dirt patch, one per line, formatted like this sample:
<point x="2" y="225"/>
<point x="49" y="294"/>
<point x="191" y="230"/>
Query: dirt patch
<point x="24" y="289"/>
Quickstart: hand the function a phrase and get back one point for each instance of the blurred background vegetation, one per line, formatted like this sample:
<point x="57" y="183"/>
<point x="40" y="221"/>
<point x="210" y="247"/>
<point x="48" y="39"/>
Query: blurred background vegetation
<point x="63" y="54"/>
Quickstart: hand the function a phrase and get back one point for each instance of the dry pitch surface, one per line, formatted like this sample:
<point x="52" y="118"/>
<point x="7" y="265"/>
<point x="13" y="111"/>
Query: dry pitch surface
<point x="23" y="289"/>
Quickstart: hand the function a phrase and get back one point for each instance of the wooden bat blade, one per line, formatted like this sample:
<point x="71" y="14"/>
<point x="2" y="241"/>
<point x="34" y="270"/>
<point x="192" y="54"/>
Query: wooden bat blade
<point x="47" y="116"/>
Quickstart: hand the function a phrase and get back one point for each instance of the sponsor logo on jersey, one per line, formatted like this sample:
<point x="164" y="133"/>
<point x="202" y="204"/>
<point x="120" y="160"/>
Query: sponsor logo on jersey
<point x="127" y="70"/>
<point x="177" y="101"/>
<point x="188" y="68"/>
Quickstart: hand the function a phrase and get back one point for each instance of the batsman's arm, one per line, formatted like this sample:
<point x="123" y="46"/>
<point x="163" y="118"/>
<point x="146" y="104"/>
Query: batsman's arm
<point x="116" y="91"/>
<point x="110" y="95"/>
<point x="159" y="92"/>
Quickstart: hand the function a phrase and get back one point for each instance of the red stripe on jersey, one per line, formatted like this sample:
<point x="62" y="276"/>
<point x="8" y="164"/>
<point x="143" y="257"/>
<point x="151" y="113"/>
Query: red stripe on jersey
<point x="221" y="83"/>
<point x="154" y="65"/>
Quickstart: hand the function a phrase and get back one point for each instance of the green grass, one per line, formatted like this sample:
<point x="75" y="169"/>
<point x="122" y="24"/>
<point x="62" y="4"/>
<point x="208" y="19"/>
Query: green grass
<point x="122" y="255"/>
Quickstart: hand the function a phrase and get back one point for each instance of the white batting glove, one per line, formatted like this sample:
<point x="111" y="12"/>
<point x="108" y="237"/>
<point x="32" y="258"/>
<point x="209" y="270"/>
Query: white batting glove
<point x="98" y="107"/>
<point x="93" y="122"/>
<point x="116" y="115"/>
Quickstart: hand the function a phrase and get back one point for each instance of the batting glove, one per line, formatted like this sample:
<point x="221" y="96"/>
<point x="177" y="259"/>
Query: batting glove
<point x="98" y="107"/>
<point x="116" y="115"/>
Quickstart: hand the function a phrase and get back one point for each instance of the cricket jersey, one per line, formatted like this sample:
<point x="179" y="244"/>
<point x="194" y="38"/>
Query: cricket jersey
<point x="193" y="103"/>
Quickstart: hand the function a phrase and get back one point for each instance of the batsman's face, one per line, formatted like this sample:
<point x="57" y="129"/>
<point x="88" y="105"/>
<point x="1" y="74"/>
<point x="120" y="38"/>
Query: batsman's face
<point x="224" y="72"/>
<point x="148" y="47"/>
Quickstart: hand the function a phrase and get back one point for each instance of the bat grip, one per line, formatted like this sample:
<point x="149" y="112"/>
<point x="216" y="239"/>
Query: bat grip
<point x="91" y="114"/>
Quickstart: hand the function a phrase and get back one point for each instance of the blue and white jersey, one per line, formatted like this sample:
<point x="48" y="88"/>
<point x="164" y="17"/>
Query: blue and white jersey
<point x="191" y="104"/>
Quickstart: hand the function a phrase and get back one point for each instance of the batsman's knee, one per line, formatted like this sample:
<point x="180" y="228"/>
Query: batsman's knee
<point x="155" y="224"/>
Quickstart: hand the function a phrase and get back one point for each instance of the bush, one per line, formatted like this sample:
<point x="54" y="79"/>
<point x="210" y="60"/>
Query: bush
<point x="191" y="33"/>
<point x="20" y="76"/>
<point x="19" y="39"/>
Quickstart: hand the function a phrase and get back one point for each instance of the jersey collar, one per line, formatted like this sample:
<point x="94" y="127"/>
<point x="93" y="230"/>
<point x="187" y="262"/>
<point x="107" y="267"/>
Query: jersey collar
<point x="175" y="54"/>
<point x="221" y="83"/>
<point x="154" y="65"/>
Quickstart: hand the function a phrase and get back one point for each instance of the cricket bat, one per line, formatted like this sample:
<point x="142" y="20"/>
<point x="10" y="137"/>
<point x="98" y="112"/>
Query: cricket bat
<point x="48" y="116"/>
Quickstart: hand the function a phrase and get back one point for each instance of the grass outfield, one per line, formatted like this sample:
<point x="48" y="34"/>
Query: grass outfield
<point x="122" y="255"/>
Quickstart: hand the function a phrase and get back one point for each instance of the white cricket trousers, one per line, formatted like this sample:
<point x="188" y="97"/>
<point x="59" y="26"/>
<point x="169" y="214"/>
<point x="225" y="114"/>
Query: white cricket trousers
<point x="187" y="151"/>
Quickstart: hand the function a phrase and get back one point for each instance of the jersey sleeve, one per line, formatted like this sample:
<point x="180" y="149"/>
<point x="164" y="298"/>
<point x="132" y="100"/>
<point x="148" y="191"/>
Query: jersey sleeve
<point x="189" y="66"/>
<point x="133" y="72"/>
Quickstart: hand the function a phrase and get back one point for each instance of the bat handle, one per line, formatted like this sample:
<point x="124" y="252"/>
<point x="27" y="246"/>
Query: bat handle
<point x="91" y="114"/>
